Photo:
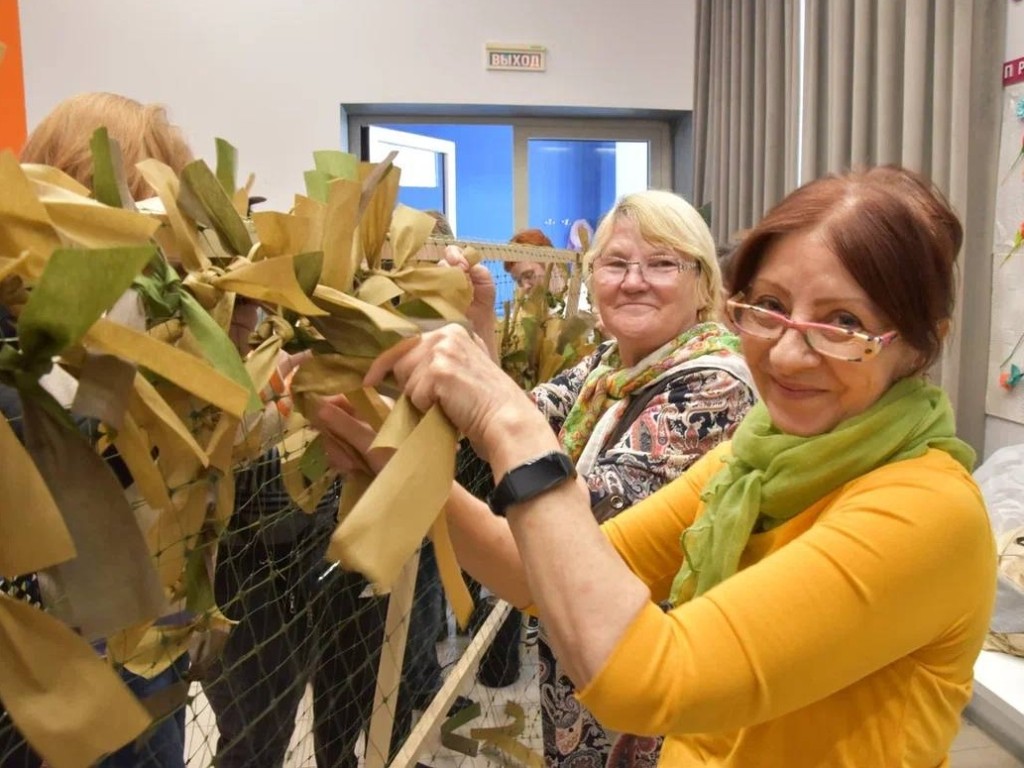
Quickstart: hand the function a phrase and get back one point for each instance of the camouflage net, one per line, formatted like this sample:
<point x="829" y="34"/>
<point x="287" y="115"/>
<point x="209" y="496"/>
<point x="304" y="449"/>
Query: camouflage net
<point x="291" y="678"/>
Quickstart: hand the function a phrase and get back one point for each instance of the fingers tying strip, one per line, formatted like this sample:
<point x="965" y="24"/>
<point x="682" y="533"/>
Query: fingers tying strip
<point x="387" y="360"/>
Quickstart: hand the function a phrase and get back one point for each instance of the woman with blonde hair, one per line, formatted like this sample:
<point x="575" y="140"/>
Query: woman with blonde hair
<point x="142" y="130"/>
<point x="636" y="413"/>
<point x="62" y="140"/>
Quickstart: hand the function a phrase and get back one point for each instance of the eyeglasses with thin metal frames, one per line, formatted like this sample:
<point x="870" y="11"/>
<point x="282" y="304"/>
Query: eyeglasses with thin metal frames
<point x="654" y="269"/>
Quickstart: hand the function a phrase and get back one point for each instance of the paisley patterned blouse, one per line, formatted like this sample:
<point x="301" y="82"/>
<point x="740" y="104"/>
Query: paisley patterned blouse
<point x="691" y="414"/>
<point x="699" y="409"/>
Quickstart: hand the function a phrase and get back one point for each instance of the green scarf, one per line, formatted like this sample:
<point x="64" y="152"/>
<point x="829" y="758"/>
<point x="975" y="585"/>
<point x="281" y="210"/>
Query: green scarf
<point x="771" y="476"/>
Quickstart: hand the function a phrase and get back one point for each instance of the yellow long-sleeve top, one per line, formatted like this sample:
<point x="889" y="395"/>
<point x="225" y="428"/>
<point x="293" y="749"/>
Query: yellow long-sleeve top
<point x="847" y="638"/>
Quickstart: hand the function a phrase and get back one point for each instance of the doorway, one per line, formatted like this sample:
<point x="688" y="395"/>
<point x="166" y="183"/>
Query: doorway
<point x="428" y="168"/>
<point x="517" y="173"/>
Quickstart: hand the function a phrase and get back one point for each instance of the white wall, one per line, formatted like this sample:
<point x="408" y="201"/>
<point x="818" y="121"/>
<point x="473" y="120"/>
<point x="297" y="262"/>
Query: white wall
<point x="1000" y="432"/>
<point x="269" y="75"/>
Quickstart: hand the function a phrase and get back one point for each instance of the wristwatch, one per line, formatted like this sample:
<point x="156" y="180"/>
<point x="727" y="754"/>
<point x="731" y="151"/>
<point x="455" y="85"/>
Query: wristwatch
<point x="531" y="479"/>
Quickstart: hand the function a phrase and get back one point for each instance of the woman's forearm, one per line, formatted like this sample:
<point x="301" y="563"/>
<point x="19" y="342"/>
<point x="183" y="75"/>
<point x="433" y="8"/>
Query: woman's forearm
<point x="585" y="594"/>
<point x="485" y="548"/>
<point x="585" y="609"/>
<point x="583" y="590"/>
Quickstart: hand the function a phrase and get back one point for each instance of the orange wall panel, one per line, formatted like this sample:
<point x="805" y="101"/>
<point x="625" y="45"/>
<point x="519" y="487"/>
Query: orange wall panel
<point x="12" y="83"/>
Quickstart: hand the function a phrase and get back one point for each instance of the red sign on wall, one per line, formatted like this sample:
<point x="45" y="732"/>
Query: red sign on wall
<point x="1013" y="72"/>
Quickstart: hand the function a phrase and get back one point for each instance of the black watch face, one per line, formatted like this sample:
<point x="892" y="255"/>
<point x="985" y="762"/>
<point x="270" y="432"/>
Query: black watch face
<point x="528" y="477"/>
<point x="532" y="479"/>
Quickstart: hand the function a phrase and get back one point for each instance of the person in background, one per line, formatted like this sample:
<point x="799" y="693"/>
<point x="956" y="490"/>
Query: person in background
<point x="831" y="570"/>
<point x="299" y="621"/>
<point x="527" y="274"/>
<point x="501" y="663"/>
<point x="632" y="416"/>
<point x="293" y="625"/>
<point x="62" y="140"/>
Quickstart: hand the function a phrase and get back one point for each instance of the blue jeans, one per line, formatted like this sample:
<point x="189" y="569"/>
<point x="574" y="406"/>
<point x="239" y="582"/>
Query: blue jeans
<point x="163" y="745"/>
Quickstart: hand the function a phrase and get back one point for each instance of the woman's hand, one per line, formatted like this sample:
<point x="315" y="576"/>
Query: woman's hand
<point x="447" y="367"/>
<point x="347" y="438"/>
<point x="287" y="363"/>
<point x="480" y="312"/>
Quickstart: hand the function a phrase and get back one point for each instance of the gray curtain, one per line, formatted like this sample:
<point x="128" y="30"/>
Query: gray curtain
<point x="914" y="82"/>
<point x="745" y="109"/>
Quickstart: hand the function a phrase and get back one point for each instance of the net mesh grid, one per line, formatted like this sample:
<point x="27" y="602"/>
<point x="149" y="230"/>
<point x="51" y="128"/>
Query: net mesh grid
<point x="293" y="683"/>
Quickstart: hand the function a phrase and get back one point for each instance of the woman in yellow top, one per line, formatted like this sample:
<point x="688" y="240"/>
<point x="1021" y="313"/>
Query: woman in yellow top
<point x="832" y="569"/>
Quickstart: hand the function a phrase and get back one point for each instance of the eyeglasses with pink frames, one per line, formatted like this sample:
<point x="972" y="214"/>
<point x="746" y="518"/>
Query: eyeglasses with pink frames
<point x="830" y="340"/>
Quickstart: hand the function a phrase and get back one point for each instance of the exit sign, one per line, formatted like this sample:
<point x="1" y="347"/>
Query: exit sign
<point x="518" y="58"/>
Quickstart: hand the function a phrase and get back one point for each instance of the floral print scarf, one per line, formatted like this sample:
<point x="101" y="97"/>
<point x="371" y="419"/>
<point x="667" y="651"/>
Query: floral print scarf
<point x="609" y="382"/>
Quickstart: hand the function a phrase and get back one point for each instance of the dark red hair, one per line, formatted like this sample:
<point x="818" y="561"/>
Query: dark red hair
<point x="531" y="237"/>
<point x="528" y="237"/>
<point x="894" y="233"/>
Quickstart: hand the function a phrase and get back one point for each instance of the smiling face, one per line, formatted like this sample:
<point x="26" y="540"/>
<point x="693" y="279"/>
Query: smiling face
<point x="807" y="393"/>
<point x="642" y="315"/>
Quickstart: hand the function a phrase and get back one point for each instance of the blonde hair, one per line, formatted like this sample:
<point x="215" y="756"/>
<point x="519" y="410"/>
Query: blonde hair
<point x="665" y="219"/>
<point x="142" y="130"/>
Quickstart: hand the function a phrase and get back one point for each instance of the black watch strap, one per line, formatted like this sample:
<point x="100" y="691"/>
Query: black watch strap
<point x="531" y="479"/>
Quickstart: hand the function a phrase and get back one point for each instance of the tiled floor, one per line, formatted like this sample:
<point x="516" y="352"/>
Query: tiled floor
<point x="201" y="734"/>
<point x="492" y="701"/>
<point x="972" y="748"/>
